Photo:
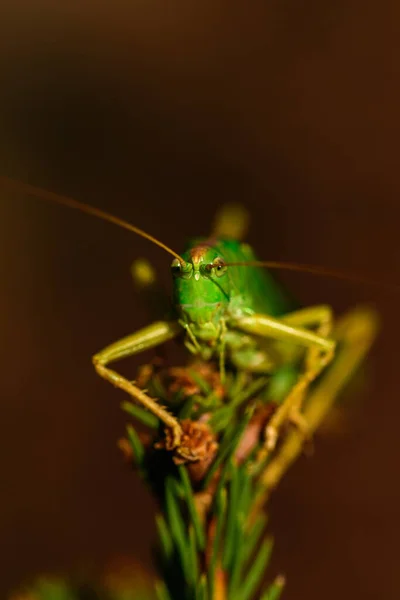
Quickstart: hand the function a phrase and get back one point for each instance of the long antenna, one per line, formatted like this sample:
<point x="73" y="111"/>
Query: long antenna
<point x="313" y="270"/>
<point x="32" y="190"/>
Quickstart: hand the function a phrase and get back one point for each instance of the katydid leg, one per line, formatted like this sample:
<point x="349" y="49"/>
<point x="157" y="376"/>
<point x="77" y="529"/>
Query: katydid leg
<point x="354" y="333"/>
<point x="144" y="339"/>
<point x="292" y="328"/>
<point x="321" y="319"/>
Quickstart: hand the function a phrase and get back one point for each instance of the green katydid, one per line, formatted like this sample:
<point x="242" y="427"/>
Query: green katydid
<point x="227" y="305"/>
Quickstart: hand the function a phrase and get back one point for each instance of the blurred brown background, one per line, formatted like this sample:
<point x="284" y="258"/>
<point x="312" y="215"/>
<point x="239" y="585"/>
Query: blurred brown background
<point x="159" y="112"/>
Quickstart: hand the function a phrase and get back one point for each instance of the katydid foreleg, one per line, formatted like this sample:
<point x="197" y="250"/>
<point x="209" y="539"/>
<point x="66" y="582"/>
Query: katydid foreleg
<point x="144" y="339"/>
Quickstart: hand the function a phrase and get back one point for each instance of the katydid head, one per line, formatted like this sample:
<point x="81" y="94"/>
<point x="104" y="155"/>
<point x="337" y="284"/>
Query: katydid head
<point x="201" y="288"/>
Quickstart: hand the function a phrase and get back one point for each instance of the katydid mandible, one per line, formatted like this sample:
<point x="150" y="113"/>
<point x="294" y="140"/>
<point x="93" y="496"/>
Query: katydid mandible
<point x="226" y="306"/>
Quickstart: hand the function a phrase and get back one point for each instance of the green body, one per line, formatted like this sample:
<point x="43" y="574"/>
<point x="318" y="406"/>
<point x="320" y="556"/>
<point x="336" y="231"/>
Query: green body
<point x="210" y="301"/>
<point x="239" y="315"/>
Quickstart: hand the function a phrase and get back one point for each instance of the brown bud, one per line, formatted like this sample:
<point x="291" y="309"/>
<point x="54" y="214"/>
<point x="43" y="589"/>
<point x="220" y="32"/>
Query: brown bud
<point x="197" y="448"/>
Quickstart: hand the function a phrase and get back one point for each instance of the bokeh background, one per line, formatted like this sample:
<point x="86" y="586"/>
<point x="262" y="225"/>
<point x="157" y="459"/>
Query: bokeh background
<point x="159" y="111"/>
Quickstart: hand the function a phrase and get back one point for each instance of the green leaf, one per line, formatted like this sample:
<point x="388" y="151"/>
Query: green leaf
<point x="222" y="417"/>
<point x="187" y="408"/>
<point x="53" y="590"/>
<point x="136" y="445"/>
<point x="246" y="492"/>
<point x="238" y="384"/>
<point x="177" y="526"/>
<point x="275" y="589"/>
<point x="144" y="416"/>
<point x="220" y="502"/>
<point x="231" y="522"/>
<point x="238" y="541"/>
<point x="162" y="591"/>
<point x="254" y="537"/>
<point x="223" y="451"/>
<point x="203" y="588"/>
<point x="223" y="478"/>
<point x="204" y="386"/>
<point x="256" y="572"/>
<point x="230" y="442"/>
<point x="165" y="537"/>
<point x="188" y="494"/>
<point x="157" y="387"/>
<point x="193" y="558"/>
<point x="249" y="391"/>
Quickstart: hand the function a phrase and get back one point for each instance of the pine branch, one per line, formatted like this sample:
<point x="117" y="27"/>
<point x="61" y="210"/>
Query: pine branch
<point x="212" y="490"/>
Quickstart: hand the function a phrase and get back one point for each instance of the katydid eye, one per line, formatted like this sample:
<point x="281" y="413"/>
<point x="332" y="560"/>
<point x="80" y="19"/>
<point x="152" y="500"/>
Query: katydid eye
<point x="219" y="266"/>
<point x="176" y="267"/>
<point x="181" y="269"/>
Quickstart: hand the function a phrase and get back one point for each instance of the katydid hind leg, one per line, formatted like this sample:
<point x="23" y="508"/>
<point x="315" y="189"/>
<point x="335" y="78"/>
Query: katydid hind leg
<point x="321" y="318"/>
<point x="292" y="328"/>
<point x="354" y="332"/>
<point x="290" y="410"/>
